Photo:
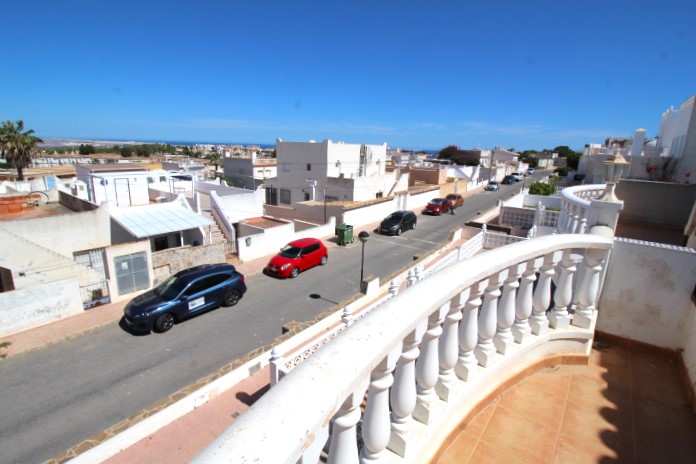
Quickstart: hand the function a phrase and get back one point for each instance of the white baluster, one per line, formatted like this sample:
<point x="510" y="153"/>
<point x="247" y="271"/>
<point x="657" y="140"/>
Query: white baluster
<point x="427" y="367"/>
<point x="411" y="278"/>
<point x="542" y="296"/>
<point x="420" y="272"/>
<point x="344" y="439"/>
<point x="276" y="364"/>
<point x="485" y="350"/>
<point x="393" y="288"/>
<point x="589" y="286"/>
<point x="583" y="226"/>
<point x="468" y="331"/>
<point x="503" y="339"/>
<point x="559" y="317"/>
<point x="403" y="393"/>
<point x="376" y="425"/>
<point x="523" y="303"/>
<point x="346" y="317"/>
<point x="449" y="352"/>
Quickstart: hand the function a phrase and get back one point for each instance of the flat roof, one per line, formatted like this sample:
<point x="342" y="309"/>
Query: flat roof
<point x="157" y="219"/>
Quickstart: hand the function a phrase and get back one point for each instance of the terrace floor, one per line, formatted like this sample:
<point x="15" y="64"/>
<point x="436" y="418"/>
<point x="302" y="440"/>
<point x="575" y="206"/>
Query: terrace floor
<point x="627" y="406"/>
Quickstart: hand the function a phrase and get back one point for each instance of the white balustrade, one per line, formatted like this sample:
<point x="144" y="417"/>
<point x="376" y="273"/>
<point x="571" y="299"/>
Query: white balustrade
<point x="559" y="318"/>
<point x="405" y="350"/>
<point x="504" y="339"/>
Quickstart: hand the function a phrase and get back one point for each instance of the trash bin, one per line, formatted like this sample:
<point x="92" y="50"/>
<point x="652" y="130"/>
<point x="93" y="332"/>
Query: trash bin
<point x="344" y="232"/>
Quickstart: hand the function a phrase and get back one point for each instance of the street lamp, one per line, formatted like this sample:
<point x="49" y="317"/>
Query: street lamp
<point x="615" y="165"/>
<point x="363" y="237"/>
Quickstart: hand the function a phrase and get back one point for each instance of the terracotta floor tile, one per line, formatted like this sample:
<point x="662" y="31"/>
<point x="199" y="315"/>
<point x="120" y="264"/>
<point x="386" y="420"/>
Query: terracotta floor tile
<point x="610" y="355"/>
<point x="477" y="425"/>
<point x="588" y="392"/>
<point x="600" y="426"/>
<point x="512" y="431"/>
<point x="552" y="380"/>
<point x="576" y="450"/>
<point x="531" y="400"/>
<point x="461" y="449"/>
<point x="487" y="454"/>
<point x="664" y="431"/>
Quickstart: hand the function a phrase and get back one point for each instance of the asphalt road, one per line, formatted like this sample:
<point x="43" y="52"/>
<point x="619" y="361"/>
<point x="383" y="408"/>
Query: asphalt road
<point x="57" y="397"/>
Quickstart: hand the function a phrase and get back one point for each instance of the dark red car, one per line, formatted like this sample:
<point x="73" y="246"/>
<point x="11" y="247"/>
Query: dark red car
<point x="438" y="206"/>
<point x="298" y="256"/>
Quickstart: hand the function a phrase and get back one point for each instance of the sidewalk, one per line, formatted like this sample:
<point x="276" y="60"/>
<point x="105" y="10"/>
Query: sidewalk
<point x="185" y="437"/>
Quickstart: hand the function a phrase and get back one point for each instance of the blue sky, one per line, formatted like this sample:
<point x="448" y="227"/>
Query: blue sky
<point x="414" y="74"/>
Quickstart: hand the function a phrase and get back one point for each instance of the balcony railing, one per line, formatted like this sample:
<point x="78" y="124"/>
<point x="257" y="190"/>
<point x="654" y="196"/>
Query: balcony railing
<point x="427" y="357"/>
<point x="578" y="211"/>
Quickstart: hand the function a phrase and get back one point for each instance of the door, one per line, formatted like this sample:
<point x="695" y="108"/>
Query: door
<point x="132" y="273"/>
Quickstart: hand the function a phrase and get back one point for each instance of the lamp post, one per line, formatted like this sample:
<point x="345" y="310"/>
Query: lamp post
<point x="615" y="166"/>
<point x="363" y="237"/>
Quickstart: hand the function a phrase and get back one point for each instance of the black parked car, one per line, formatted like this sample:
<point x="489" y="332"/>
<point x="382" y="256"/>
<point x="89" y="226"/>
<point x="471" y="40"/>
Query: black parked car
<point x="183" y="295"/>
<point x="397" y="222"/>
<point x="507" y="180"/>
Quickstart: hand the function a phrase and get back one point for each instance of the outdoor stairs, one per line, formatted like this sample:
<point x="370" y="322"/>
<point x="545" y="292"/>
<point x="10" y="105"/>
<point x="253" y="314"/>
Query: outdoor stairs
<point x="216" y="235"/>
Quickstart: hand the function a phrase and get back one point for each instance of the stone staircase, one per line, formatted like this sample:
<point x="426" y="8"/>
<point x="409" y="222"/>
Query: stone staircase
<point x="216" y="235"/>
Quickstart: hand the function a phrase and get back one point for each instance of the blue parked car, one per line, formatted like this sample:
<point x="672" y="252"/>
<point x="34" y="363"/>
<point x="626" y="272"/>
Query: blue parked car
<point x="185" y="294"/>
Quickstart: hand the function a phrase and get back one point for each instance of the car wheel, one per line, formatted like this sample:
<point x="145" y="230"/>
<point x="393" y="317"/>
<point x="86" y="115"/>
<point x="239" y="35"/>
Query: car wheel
<point x="231" y="298"/>
<point x="324" y="259"/>
<point x="414" y="226"/>
<point x="164" y="322"/>
<point x="295" y="271"/>
<point x="398" y="231"/>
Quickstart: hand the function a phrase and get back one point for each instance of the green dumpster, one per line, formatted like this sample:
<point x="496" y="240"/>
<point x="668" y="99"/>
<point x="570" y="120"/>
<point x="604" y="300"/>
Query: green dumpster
<point x="344" y="232"/>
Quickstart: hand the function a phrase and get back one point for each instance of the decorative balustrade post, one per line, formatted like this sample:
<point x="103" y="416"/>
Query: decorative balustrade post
<point x="449" y="352"/>
<point x="563" y="217"/>
<point x="559" y="318"/>
<point x="589" y="287"/>
<point x="393" y="288"/>
<point x="574" y="220"/>
<point x="503" y="339"/>
<point x="346" y="317"/>
<point x="485" y="350"/>
<point x="427" y="367"/>
<point x="582" y="228"/>
<point x="411" y="277"/>
<point x="523" y="304"/>
<point x="403" y="392"/>
<point x="542" y="296"/>
<point x="468" y="331"/>
<point x="420" y="272"/>
<point x="276" y="364"/>
<point x="343" y="447"/>
<point x="376" y="424"/>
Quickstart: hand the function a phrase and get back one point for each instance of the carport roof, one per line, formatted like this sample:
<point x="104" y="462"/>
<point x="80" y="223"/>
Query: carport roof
<point x="158" y="219"/>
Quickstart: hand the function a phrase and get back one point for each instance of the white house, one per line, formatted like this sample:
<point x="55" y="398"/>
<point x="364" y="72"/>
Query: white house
<point x="249" y="172"/>
<point x="330" y="170"/>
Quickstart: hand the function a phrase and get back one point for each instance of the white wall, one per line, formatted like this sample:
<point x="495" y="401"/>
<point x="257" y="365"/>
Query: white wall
<point x="39" y="305"/>
<point x="675" y="124"/>
<point x="646" y="294"/>
<point x="237" y="207"/>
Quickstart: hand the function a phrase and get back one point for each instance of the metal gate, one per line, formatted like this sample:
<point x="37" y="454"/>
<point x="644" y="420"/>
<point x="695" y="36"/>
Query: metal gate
<point x="96" y="293"/>
<point x="132" y="273"/>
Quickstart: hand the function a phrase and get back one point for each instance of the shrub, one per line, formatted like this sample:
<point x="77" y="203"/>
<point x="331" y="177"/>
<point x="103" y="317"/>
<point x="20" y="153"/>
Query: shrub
<point x="540" y="188"/>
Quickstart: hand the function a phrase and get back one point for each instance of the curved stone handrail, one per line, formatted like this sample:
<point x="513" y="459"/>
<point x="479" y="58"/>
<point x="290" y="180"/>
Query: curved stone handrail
<point x="470" y="326"/>
<point x="577" y="214"/>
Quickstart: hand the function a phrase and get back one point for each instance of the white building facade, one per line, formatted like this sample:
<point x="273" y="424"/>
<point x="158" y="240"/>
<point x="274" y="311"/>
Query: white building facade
<point x="329" y="170"/>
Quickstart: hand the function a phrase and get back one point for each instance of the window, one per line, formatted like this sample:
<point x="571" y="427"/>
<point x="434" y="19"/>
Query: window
<point x="285" y="196"/>
<point x="306" y="196"/>
<point x="310" y="249"/>
<point x="309" y="167"/>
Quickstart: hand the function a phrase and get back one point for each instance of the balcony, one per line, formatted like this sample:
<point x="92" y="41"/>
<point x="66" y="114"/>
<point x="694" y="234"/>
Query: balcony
<point x="491" y="359"/>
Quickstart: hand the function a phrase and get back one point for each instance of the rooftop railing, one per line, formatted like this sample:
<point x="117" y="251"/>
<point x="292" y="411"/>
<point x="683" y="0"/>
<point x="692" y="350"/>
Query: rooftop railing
<point x="397" y="381"/>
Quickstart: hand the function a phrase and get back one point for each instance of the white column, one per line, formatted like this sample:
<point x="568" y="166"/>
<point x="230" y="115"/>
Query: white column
<point x="449" y="352"/>
<point x="542" y="296"/>
<point x="468" y="331"/>
<point x="589" y="286"/>
<point x="523" y="304"/>
<point x="559" y="317"/>
<point x="427" y="367"/>
<point x="485" y="350"/>
<point x="503" y="339"/>
<point x="344" y="440"/>
<point x="376" y="424"/>
<point x="403" y="392"/>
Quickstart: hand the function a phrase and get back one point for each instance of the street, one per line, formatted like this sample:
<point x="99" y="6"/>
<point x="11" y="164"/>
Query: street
<point x="58" y="396"/>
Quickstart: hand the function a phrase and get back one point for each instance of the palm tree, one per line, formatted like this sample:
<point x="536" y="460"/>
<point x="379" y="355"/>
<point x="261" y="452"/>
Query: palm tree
<point x="18" y="145"/>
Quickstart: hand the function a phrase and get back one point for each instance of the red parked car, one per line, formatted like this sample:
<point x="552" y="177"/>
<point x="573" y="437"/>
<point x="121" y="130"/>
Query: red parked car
<point x="437" y="206"/>
<point x="298" y="256"/>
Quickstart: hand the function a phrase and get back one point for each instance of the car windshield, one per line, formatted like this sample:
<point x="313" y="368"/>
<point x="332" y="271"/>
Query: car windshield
<point x="437" y="202"/>
<point x="290" y="252"/>
<point x="394" y="217"/>
<point x="170" y="288"/>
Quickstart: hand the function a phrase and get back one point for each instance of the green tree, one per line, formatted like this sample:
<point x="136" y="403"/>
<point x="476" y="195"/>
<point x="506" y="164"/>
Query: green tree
<point x="448" y="152"/>
<point x="540" y="188"/>
<point x="19" y="145"/>
<point x="215" y="158"/>
<point x="86" y="149"/>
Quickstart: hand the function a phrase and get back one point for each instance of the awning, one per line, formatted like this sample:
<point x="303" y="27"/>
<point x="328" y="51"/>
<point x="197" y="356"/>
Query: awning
<point x="158" y="219"/>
